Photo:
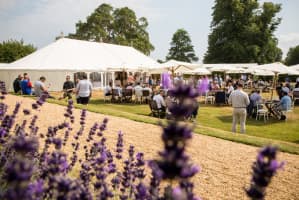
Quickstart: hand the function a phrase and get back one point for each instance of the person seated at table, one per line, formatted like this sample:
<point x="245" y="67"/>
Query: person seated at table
<point x="17" y="84"/>
<point x="138" y="91"/>
<point x="279" y="90"/>
<point x="131" y="79"/>
<point x="39" y="86"/>
<point x="230" y="88"/>
<point x="286" y="88"/>
<point x="255" y="97"/>
<point x="146" y="87"/>
<point x="130" y="86"/>
<point x="119" y="90"/>
<point x="284" y="105"/>
<point x="108" y="89"/>
<point x="158" y="97"/>
<point x="215" y="85"/>
<point x="26" y="85"/>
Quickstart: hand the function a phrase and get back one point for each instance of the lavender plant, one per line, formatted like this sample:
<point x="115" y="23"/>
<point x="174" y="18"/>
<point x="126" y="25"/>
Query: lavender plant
<point x="264" y="169"/>
<point x="175" y="164"/>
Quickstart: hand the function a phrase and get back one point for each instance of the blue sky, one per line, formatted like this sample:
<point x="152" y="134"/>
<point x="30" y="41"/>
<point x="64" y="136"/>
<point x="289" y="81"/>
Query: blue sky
<point x="39" y="21"/>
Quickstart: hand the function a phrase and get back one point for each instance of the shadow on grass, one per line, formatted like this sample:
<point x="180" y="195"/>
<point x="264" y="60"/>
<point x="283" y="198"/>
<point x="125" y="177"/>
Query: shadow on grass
<point x="251" y="121"/>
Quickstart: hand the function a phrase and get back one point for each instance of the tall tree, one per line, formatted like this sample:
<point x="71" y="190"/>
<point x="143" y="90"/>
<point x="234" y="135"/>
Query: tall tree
<point x="181" y="47"/>
<point x="243" y="31"/>
<point x="116" y="26"/>
<point x="292" y="56"/>
<point x="12" y="50"/>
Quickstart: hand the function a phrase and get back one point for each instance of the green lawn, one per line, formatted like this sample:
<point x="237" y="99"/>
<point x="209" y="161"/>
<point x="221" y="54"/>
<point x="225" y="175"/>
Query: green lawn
<point x="215" y="121"/>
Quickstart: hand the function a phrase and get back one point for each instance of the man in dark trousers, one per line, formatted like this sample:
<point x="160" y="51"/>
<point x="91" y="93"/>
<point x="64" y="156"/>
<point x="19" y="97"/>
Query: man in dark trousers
<point x="68" y="87"/>
<point x="17" y="84"/>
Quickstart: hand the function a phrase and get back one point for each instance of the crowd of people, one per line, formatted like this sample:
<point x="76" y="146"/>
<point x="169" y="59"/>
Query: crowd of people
<point x="243" y="104"/>
<point x="83" y="89"/>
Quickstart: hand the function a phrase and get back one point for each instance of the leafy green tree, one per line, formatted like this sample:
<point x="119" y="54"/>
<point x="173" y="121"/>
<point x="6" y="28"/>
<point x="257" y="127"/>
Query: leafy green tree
<point x="181" y="47"/>
<point x="292" y="56"/>
<point x="243" y="31"/>
<point x="116" y="26"/>
<point x="12" y="50"/>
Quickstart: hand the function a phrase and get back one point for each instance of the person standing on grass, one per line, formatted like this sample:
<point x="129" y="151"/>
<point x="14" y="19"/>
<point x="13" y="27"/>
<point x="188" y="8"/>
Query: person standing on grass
<point x="84" y="90"/>
<point x="239" y="100"/>
<point x="17" y="84"/>
<point x="26" y="85"/>
<point x="68" y="87"/>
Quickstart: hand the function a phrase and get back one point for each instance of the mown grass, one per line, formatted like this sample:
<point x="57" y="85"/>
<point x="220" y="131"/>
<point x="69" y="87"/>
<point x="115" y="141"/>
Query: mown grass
<point x="214" y="121"/>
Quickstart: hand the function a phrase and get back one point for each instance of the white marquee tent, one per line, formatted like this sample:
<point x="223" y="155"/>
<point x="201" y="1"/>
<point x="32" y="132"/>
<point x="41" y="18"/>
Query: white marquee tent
<point x="68" y="56"/>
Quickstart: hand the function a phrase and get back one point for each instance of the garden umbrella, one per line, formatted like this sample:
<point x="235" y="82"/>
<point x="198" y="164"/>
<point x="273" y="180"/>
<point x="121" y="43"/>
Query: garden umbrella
<point x="294" y="67"/>
<point x="277" y="68"/>
<point x="259" y="72"/>
<point x="175" y="67"/>
<point x="199" y="71"/>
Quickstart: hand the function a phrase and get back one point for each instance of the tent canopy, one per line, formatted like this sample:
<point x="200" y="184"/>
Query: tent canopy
<point x="199" y="71"/>
<point x="224" y="67"/>
<point x="295" y="67"/>
<point x="277" y="68"/>
<point x="175" y="67"/>
<point x="70" y="54"/>
<point x="259" y="72"/>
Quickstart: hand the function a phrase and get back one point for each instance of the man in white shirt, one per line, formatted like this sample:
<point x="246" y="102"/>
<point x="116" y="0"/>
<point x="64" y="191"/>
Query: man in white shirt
<point x="39" y="86"/>
<point x="84" y="90"/>
<point x="239" y="100"/>
<point x="138" y="91"/>
<point x="160" y="100"/>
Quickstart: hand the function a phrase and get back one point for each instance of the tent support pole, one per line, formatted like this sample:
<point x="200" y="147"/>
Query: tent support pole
<point x="102" y="80"/>
<point x="113" y="79"/>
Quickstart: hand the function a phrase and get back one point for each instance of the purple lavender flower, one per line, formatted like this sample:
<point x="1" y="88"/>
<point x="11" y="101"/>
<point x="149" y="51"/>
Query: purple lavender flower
<point x="23" y="144"/>
<point x="26" y="112"/>
<point x="119" y="145"/>
<point x="57" y="142"/>
<point x="56" y="163"/>
<point x="36" y="189"/>
<point x="18" y="170"/>
<point x="264" y="169"/>
<point x="142" y="192"/>
<point x="3" y="88"/>
<point x="174" y="163"/>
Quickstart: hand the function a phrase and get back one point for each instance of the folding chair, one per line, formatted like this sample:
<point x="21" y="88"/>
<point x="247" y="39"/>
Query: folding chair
<point x="209" y="98"/>
<point x="261" y="112"/>
<point x="145" y="95"/>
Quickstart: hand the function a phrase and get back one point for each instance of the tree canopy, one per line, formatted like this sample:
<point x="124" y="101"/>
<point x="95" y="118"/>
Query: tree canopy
<point x="116" y="26"/>
<point x="12" y="50"/>
<point x="292" y="56"/>
<point x="181" y="47"/>
<point x="243" y="31"/>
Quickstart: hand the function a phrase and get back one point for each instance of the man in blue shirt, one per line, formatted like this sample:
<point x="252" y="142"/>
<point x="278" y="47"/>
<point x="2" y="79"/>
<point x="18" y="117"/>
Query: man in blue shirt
<point x="26" y="85"/>
<point x="284" y="105"/>
<point x="285" y="102"/>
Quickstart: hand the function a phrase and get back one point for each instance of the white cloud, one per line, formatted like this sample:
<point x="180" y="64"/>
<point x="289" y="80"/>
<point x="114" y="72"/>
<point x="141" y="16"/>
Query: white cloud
<point x="287" y="40"/>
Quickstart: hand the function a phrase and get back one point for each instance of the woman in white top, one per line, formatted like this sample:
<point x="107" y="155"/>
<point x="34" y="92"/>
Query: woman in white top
<point x="84" y="90"/>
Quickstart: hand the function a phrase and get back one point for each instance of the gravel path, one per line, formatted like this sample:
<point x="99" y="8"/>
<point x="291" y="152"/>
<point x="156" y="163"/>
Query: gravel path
<point x="225" y="166"/>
